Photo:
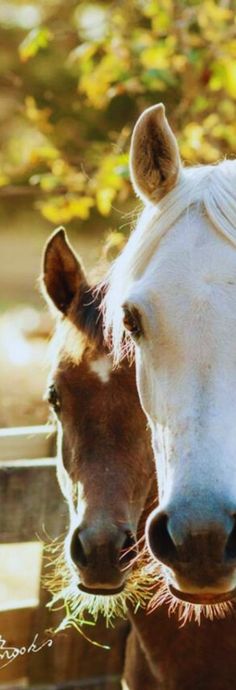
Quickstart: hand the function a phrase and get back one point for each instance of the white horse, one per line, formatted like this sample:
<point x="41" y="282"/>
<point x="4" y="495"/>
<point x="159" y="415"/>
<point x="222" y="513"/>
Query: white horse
<point x="173" y="290"/>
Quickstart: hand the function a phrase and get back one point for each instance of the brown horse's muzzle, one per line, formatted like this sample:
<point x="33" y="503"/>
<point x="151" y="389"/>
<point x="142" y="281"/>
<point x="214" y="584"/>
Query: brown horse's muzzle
<point x="102" y="555"/>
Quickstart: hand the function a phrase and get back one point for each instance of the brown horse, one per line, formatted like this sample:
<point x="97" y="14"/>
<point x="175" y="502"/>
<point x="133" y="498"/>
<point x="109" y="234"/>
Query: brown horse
<point x="106" y="472"/>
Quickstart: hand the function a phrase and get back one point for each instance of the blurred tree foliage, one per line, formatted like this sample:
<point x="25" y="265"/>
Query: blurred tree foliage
<point x="75" y="76"/>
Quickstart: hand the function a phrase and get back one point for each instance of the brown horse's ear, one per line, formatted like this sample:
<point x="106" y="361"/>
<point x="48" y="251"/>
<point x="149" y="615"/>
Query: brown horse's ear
<point x="154" y="156"/>
<point x="62" y="274"/>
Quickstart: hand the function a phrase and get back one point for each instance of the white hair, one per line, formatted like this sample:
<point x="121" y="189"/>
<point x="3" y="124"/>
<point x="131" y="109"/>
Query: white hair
<point x="213" y="187"/>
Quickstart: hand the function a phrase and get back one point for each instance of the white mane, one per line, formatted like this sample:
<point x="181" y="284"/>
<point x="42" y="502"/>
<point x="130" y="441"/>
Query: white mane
<point x="213" y="187"/>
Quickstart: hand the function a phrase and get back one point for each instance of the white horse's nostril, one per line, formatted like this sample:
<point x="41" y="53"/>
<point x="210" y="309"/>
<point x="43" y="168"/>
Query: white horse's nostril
<point x="230" y="549"/>
<point x="160" y="541"/>
<point x="193" y="544"/>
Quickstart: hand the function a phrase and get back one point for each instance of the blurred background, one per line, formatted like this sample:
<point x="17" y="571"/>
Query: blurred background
<point x="74" y="76"/>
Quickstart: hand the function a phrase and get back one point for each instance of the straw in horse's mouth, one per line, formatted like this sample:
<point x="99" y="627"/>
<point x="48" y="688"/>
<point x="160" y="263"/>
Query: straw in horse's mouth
<point x="77" y="600"/>
<point x="104" y="591"/>
<point x="205" y="598"/>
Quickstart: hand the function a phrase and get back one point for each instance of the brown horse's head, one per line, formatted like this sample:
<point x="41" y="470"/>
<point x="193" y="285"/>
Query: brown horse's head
<point x="105" y="466"/>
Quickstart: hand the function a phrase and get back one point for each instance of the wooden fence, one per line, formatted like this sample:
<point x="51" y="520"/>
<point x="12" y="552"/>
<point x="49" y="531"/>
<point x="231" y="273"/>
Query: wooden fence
<point x="31" y="506"/>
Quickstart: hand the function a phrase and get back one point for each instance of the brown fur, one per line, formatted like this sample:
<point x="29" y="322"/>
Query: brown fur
<point x="104" y="429"/>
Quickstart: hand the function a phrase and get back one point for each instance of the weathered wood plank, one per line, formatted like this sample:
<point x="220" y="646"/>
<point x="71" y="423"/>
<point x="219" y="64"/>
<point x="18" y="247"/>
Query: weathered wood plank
<point x="27" y="442"/>
<point x="31" y="502"/>
<point x="24" y="463"/>
<point x="15" y="629"/>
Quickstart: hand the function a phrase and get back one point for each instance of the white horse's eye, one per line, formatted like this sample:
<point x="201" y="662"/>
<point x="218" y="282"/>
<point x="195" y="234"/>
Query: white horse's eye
<point x="132" y="321"/>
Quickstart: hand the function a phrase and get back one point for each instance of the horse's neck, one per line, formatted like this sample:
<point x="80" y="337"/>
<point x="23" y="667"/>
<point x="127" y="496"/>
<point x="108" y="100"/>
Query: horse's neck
<point x="170" y="657"/>
<point x="137" y="669"/>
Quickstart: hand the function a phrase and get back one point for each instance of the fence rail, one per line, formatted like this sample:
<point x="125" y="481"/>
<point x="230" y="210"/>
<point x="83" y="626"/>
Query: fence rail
<point x="93" y="683"/>
<point x="28" y="442"/>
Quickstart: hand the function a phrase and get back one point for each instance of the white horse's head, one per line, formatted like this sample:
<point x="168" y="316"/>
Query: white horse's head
<point x="173" y="288"/>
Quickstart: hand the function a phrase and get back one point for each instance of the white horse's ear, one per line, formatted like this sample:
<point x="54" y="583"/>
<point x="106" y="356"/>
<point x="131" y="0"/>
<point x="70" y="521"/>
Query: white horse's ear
<point x="154" y="155"/>
<point x="63" y="274"/>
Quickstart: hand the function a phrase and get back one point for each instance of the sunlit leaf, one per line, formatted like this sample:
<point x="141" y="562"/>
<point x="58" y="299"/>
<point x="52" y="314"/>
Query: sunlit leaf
<point x="153" y="8"/>
<point x="49" y="182"/>
<point x="61" y="209"/>
<point x="38" y="116"/>
<point x="80" y="207"/>
<point x="156" y="57"/>
<point x="104" y="198"/>
<point x="37" y="39"/>
<point x="43" y="153"/>
<point x="96" y="84"/>
<point x="68" y="111"/>
<point x="224" y="76"/>
<point x="82" y="53"/>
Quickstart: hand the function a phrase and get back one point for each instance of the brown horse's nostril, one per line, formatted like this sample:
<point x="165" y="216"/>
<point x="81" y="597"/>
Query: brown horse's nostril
<point x="77" y="551"/>
<point x="230" y="549"/>
<point x="160" y="540"/>
<point x="90" y="547"/>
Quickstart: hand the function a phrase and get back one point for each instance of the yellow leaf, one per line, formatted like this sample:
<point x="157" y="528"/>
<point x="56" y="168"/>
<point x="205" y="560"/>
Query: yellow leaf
<point x="36" y="40"/>
<point x="154" y="58"/>
<point x="39" y="116"/>
<point x="82" y="53"/>
<point x="80" y="207"/>
<point x="158" y="56"/>
<point x="48" y="182"/>
<point x="104" y="198"/>
<point x="43" y="153"/>
<point x="154" y="8"/>
<point x="224" y="76"/>
<point x="96" y="83"/>
<point x="62" y="209"/>
<point x="230" y="85"/>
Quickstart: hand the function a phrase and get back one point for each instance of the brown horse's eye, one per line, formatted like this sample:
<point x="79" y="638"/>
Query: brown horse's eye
<point x="132" y="322"/>
<point x="53" y="398"/>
